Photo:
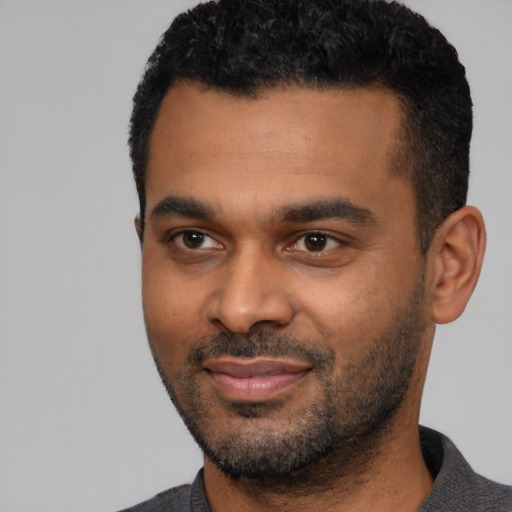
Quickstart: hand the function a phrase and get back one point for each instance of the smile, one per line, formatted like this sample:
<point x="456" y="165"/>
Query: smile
<point x="254" y="380"/>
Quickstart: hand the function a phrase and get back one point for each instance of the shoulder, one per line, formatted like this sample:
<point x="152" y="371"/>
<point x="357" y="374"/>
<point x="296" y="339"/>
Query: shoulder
<point x="184" y="498"/>
<point x="176" y="499"/>
<point x="456" y="485"/>
<point x="497" y="496"/>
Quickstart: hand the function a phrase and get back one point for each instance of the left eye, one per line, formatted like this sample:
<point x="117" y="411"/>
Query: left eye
<point x="316" y="242"/>
<point x="194" y="240"/>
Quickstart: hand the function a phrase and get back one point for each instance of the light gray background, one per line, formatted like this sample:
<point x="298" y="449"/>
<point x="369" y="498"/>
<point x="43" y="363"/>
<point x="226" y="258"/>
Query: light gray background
<point x="85" y="424"/>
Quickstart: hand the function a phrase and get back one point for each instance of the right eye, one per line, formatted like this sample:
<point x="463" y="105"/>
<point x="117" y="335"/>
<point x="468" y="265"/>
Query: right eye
<point x="194" y="240"/>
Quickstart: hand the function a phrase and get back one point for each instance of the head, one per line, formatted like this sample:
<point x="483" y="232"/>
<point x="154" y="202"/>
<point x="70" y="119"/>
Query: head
<point x="301" y="168"/>
<point x="245" y="47"/>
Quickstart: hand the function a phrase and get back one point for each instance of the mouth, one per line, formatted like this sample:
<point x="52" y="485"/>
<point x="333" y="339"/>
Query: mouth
<point x="254" y="379"/>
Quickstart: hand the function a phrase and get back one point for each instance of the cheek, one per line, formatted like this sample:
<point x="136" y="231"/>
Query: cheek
<point x="350" y="308"/>
<point x="172" y="313"/>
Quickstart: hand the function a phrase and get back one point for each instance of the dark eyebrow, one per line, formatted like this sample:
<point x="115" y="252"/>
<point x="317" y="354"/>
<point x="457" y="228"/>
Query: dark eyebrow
<point x="338" y="208"/>
<point x="182" y="206"/>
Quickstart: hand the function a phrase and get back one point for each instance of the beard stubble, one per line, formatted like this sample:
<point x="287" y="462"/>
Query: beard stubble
<point x="336" y="434"/>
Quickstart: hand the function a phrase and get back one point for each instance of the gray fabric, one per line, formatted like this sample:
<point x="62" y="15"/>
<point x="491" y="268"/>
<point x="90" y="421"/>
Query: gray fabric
<point x="185" y="498"/>
<point x="457" y="488"/>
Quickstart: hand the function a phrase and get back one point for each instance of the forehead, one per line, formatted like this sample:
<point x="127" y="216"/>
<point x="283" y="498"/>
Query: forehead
<point x="284" y="146"/>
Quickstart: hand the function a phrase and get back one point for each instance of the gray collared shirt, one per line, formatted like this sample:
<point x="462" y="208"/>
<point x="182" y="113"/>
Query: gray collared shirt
<point x="457" y="488"/>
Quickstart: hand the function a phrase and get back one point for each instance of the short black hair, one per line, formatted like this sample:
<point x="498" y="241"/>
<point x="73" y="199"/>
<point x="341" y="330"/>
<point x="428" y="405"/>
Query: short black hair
<point x="247" y="46"/>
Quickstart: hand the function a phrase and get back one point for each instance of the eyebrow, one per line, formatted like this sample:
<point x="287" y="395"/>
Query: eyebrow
<point x="183" y="207"/>
<point x="338" y="208"/>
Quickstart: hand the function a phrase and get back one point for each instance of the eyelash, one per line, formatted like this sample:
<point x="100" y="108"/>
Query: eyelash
<point x="174" y="238"/>
<point x="328" y="239"/>
<point x="325" y="237"/>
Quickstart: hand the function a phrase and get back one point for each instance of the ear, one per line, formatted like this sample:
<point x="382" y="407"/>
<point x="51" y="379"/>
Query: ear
<point x="456" y="254"/>
<point x="138" y="228"/>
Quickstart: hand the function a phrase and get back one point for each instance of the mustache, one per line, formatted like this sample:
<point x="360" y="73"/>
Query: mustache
<point x="259" y="344"/>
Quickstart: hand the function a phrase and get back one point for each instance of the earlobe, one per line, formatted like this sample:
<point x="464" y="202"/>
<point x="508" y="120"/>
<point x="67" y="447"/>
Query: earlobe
<point x="457" y="251"/>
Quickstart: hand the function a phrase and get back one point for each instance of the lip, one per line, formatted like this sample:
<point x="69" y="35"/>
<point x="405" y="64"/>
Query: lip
<point x="254" y="379"/>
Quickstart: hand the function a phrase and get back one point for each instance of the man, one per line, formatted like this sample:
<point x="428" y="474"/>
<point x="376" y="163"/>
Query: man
<point x="302" y="172"/>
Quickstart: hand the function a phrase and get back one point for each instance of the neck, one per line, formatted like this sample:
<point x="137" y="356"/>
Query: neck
<point x="395" y="478"/>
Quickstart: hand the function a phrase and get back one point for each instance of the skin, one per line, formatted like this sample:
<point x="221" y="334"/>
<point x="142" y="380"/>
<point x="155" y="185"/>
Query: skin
<point x="245" y="160"/>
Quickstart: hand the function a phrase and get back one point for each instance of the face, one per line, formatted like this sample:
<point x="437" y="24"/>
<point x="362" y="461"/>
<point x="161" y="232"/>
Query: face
<point x="282" y="280"/>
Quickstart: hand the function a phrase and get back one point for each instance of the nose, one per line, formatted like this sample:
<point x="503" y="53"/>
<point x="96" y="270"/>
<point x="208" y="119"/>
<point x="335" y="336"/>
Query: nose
<point x="251" y="290"/>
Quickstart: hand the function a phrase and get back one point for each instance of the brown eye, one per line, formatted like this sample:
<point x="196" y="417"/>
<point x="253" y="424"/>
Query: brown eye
<point x="315" y="242"/>
<point x="193" y="239"/>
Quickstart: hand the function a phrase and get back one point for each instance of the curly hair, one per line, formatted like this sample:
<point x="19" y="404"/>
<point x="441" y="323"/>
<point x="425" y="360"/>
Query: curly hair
<point x="247" y="46"/>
